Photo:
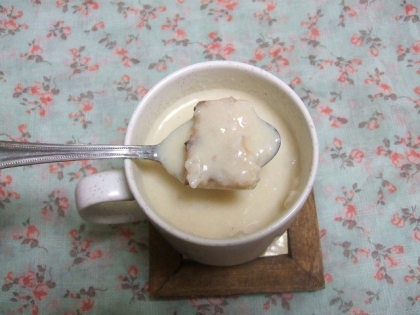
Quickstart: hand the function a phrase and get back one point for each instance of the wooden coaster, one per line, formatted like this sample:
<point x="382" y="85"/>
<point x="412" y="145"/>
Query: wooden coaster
<point x="300" y="270"/>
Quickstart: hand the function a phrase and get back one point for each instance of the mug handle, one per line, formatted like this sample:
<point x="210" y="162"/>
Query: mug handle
<point x="105" y="198"/>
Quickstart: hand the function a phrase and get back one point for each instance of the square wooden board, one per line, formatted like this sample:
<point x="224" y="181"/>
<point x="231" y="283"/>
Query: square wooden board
<point x="301" y="269"/>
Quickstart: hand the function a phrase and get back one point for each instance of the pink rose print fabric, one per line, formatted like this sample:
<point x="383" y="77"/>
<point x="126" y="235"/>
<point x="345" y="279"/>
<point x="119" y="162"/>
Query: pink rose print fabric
<point x="73" y="71"/>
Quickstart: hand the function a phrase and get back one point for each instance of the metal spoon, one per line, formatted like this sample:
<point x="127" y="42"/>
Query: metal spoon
<point x="14" y="154"/>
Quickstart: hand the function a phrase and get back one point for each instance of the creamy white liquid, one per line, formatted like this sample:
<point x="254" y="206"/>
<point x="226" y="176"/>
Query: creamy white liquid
<point x="220" y="213"/>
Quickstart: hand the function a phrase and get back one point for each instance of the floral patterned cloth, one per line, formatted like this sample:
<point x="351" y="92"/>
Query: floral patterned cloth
<point x="72" y="71"/>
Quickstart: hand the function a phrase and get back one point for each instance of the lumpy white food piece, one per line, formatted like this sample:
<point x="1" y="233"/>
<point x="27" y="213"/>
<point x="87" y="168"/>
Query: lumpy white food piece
<point x="224" y="150"/>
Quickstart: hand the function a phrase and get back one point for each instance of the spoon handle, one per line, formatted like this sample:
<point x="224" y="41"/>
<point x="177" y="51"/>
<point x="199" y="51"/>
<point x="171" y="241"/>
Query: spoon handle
<point x="13" y="154"/>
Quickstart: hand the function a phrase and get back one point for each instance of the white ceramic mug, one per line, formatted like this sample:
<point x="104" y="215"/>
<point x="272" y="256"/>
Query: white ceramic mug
<point x="118" y="196"/>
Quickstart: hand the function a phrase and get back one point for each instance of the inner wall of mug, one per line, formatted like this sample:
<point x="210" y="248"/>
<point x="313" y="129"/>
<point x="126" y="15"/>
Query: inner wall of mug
<point x="228" y="76"/>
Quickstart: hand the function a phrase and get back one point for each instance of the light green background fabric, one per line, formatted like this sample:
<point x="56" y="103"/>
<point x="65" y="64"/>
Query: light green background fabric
<point x="74" y="70"/>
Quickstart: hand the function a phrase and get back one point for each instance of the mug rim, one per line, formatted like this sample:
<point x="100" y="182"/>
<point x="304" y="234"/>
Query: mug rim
<point x="285" y="219"/>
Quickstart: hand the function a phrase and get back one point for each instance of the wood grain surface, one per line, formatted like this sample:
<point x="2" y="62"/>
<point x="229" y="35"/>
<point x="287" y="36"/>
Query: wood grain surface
<point x="301" y="269"/>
